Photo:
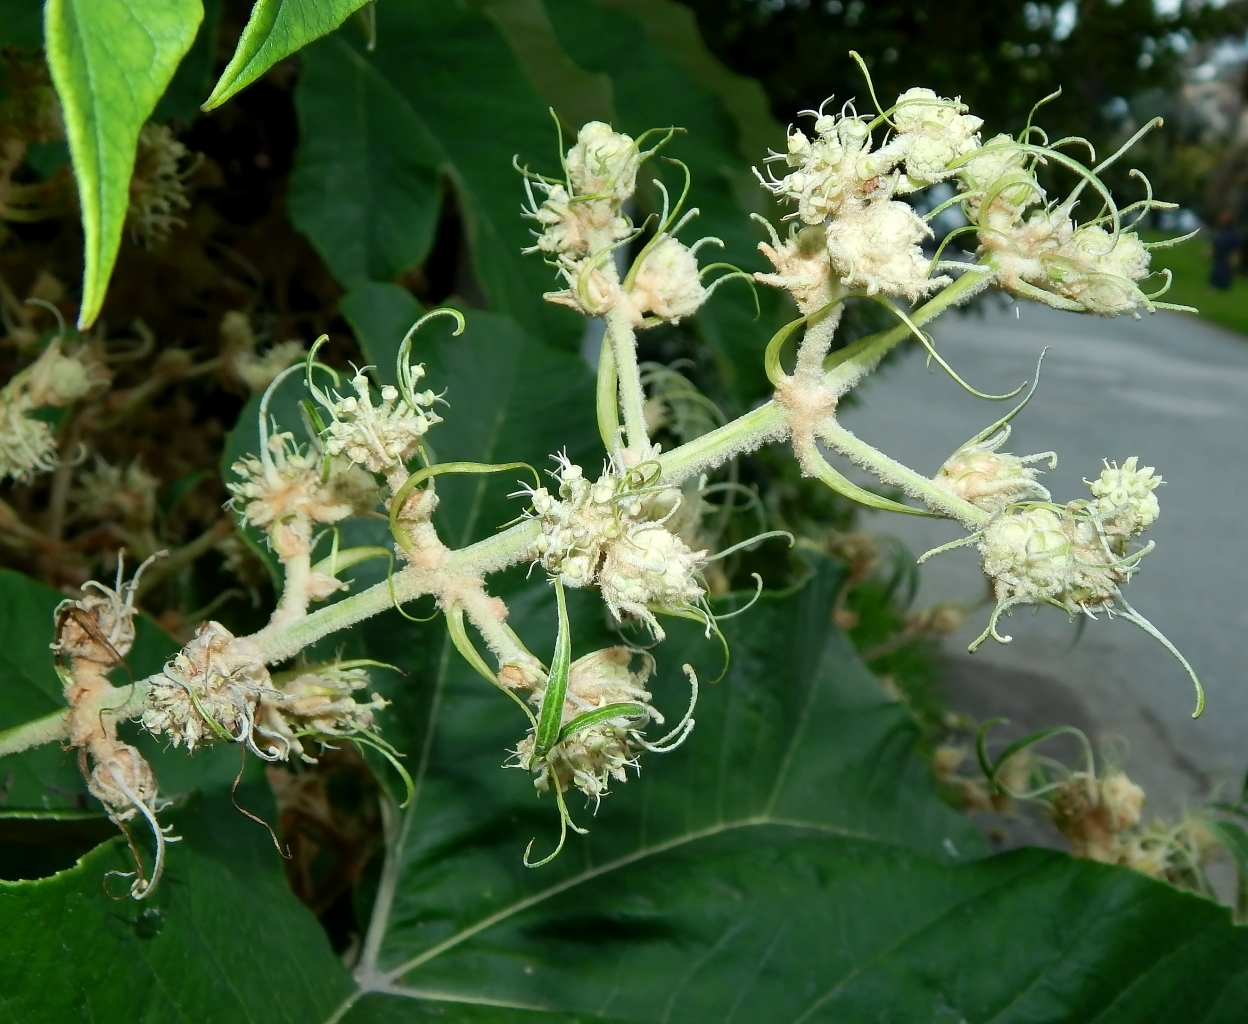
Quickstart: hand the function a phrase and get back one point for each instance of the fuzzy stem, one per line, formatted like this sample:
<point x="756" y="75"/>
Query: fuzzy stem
<point x="48" y="729"/>
<point x="844" y="372"/>
<point x="817" y="341"/>
<point x="280" y="641"/>
<point x="892" y="472"/>
<point x="745" y="434"/>
<point x="623" y="344"/>
<point x="294" y="600"/>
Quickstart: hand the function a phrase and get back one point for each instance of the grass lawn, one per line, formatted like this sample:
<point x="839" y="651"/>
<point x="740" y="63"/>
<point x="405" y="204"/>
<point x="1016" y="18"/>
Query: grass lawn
<point x="1190" y="264"/>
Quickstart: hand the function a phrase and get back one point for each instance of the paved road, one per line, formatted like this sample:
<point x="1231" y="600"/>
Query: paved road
<point x="1169" y="389"/>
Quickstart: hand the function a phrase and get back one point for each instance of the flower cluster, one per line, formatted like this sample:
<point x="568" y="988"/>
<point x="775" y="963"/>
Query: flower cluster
<point x="55" y="379"/>
<point x="1039" y="251"/>
<point x="845" y="188"/>
<point x="583" y="222"/>
<point x="286" y="489"/>
<point x="106" y="492"/>
<point x="614" y="534"/>
<point x="379" y="437"/>
<point x="94" y="632"/>
<point x="1125" y="502"/>
<point x="158" y="185"/>
<point x="1074" y="556"/>
<point x="217" y="688"/>
<point x="590" y="757"/>
<point x="992" y="479"/>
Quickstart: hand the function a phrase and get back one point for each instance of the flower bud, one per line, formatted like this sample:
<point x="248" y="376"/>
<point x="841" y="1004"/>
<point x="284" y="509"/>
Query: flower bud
<point x="603" y="163"/>
<point x="990" y="480"/>
<point x="1124" y="496"/>
<point x="876" y="247"/>
<point x="668" y="284"/>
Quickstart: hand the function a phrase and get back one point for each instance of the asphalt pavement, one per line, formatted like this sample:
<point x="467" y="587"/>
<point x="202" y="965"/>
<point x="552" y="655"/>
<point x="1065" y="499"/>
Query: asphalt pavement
<point x="1168" y="388"/>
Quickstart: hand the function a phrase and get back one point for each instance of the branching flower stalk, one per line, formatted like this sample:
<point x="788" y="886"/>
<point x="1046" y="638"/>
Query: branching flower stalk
<point x="631" y="529"/>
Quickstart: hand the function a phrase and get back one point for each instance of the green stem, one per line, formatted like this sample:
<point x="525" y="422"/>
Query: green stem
<point x="892" y="472"/>
<point x="848" y="366"/>
<point x="744" y="434"/>
<point x="279" y="642"/>
<point x="623" y="343"/>
<point x="48" y="729"/>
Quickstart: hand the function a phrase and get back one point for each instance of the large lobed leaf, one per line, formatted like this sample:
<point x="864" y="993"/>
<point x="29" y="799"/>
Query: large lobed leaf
<point x="790" y="863"/>
<point x="111" y="61"/>
<point x="221" y="941"/>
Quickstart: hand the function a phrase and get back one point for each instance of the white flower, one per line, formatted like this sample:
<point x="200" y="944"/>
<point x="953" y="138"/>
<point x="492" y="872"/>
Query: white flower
<point x="573" y="228"/>
<point x="288" y="482"/>
<point x="27" y="447"/>
<point x="1124" y="497"/>
<point x="158" y="185"/>
<point x="649" y="566"/>
<point x="829" y="170"/>
<point x="876" y="247"/>
<point x="668" y="284"/>
<point x="933" y="132"/>
<point x="998" y="169"/>
<point x="211" y="690"/>
<point x="1027" y="554"/>
<point x="27" y="443"/>
<point x="379" y="437"/>
<point x="216" y="688"/>
<point x="603" y="163"/>
<point x="614" y="534"/>
<point x="1098" y="271"/>
<point x="993" y="480"/>
<point x="590" y="758"/>
<point x="802" y="268"/>
<point x="108" y="492"/>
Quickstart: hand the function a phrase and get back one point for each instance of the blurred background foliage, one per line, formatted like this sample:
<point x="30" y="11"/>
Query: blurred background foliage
<point x="1117" y="63"/>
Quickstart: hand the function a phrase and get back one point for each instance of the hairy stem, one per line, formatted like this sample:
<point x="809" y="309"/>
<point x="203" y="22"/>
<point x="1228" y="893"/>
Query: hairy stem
<point x="817" y="341"/>
<point x="48" y="729"/>
<point x="745" y="434"/>
<point x="892" y="472"/>
<point x="849" y="365"/>
<point x="623" y="344"/>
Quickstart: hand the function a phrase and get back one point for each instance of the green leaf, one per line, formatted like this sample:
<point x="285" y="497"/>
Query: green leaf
<point x="222" y="939"/>
<point x="790" y="862"/>
<point x="110" y="62"/>
<point x="577" y="96"/>
<point x="275" y="30"/>
<point x="441" y="98"/>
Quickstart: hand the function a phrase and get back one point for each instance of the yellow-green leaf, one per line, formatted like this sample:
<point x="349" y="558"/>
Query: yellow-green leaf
<point x="276" y="29"/>
<point x="111" y="61"/>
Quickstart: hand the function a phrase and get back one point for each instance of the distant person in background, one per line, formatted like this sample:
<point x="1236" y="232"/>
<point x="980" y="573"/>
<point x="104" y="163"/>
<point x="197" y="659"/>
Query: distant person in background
<point x="1225" y="250"/>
